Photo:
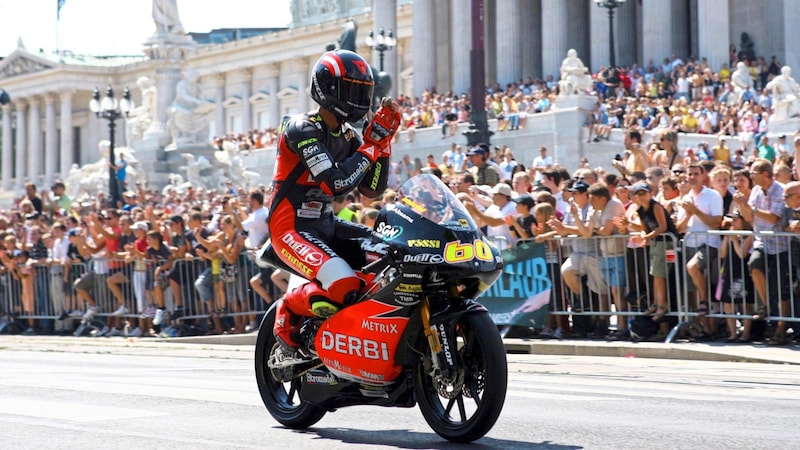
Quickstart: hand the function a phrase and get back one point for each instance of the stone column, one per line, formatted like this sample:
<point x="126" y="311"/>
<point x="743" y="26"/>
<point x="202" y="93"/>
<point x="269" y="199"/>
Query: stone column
<point x="219" y="111"/>
<point x="555" y="31"/>
<point x="303" y="83"/>
<point x="598" y="23"/>
<point x="509" y="50"/>
<point x="490" y="40"/>
<point x="384" y="15"/>
<point x="680" y="29"/>
<point x="247" y="91"/>
<point x="530" y="37"/>
<point x="460" y="43"/>
<point x="713" y="17"/>
<point x="442" y="21"/>
<point x="22" y="143"/>
<point x="625" y="34"/>
<point x="8" y="151"/>
<point x="424" y="46"/>
<point x="51" y="139"/>
<point x="35" y="150"/>
<point x="67" y="146"/>
<point x="657" y="25"/>
<point x="791" y="36"/>
<point x="273" y="86"/>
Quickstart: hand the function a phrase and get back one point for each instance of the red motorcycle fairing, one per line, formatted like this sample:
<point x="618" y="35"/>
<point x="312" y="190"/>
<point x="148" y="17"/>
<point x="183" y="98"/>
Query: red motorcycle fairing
<point x="359" y="342"/>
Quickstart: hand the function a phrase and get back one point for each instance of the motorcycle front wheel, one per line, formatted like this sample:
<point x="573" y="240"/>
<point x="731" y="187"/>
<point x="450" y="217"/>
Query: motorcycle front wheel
<point x="465" y="405"/>
<point x="282" y="399"/>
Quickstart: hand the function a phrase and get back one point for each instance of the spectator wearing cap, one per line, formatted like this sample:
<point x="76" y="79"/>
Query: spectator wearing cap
<point x="60" y="201"/>
<point x="522" y="225"/>
<point x="129" y="199"/>
<point x="585" y="257"/>
<point x="483" y="172"/>
<point x="655" y="224"/>
<point x="495" y="215"/>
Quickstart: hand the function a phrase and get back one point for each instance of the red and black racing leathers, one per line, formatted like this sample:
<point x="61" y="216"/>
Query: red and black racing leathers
<point x="314" y="164"/>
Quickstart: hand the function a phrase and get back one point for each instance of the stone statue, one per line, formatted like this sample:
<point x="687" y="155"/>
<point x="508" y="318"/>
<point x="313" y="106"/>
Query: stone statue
<point x="347" y="41"/>
<point x="90" y="179"/>
<point x="785" y="94"/>
<point x="194" y="168"/>
<point x="190" y="115"/>
<point x="747" y="48"/>
<point x="165" y="15"/>
<point x="575" y="78"/>
<point x="740" y="80"/>
<point x="140" y="117"/>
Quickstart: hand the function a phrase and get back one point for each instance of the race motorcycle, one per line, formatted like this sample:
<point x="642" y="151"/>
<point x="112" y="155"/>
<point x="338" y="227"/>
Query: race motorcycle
<point x="416" y="334"/>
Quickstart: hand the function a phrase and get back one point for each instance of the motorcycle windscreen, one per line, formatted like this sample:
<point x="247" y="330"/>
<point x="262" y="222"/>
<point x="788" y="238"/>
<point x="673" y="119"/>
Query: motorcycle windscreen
<point x="427" y="196"/>
<point x="359" y="342"/>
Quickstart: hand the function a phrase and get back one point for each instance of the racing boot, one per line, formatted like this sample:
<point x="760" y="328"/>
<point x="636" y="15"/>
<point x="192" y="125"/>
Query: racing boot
<point x="307" y="300"/>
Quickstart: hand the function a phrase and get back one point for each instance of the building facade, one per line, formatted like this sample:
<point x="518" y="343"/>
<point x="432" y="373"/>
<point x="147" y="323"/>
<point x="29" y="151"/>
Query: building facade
<point x="48" y="127"/>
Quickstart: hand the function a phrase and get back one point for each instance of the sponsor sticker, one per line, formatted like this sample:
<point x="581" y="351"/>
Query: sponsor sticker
<point x="388" y="232"/>
<point x="424" y="258"/>
<point x="408" y="288"/>
<point x="424" y="243"/>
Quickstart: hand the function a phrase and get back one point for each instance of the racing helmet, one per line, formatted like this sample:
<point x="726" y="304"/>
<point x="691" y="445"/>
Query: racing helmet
<point x="342" y="83"/>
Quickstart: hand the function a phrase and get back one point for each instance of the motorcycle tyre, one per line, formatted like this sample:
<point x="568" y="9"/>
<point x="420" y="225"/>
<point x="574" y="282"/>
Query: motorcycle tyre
<point x="273" y="393"/>
<point x="493" y="360"/>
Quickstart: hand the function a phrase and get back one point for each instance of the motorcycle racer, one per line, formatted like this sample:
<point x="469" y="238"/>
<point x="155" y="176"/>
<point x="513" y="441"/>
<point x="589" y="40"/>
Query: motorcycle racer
<point x="320" y="155"/>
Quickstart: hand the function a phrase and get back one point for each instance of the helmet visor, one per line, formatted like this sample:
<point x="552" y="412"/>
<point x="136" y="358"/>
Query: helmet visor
<point x="357" y="94"/>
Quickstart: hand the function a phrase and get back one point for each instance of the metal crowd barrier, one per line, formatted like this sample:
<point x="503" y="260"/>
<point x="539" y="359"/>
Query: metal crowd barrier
<point x="598" y="294"/>
<point x="730" y="290"/>
<point x="52" y="288"/>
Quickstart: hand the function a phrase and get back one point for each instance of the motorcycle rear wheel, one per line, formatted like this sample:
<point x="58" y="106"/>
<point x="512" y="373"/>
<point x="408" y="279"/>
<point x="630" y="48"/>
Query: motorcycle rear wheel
<point x="281" y="399"/>
<point x="467" y="411"/>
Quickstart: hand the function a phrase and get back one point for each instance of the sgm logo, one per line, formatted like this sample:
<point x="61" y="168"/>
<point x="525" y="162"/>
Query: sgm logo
<point x="388" y="232"/>
<point x="310" y="150"/>
<point x="355" y="346"/>
<point x="424" y="243"/>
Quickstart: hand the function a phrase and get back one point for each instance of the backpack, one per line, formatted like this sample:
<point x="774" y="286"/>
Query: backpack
<point x="643" y="328"/>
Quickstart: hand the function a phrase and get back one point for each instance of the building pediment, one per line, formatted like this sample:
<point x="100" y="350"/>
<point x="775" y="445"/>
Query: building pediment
<point x="232" y="101"/>
<point x="20" y="62"/>
<point x="287" y="92"/>
<point x="260" y="97"/>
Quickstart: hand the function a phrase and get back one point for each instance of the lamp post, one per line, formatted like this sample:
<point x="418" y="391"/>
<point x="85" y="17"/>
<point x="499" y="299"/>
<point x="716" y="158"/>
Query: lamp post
<point x="610" y="5"/>
<point x="382" y="42"/>
<point x="111" y="109"/>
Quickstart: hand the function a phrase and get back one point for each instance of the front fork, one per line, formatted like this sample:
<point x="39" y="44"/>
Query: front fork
<point x="441" y="345"/>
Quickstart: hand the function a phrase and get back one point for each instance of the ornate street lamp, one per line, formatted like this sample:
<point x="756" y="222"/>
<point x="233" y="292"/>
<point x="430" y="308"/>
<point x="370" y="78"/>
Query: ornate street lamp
<point x="610" y="5"/>
<point x="383" y="42"/>
<point x="111" y="109"/>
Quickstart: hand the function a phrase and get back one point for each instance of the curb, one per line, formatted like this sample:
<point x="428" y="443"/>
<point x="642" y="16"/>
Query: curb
<point x="655" y="350"/>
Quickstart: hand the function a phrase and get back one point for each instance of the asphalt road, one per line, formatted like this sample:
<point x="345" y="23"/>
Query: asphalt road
<point x="101" y="393"/>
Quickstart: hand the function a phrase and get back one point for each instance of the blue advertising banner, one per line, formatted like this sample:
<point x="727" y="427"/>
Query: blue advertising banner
<point x="521" y="296"/>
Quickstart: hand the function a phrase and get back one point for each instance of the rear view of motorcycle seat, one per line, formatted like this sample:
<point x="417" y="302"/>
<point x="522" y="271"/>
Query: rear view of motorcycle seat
<point x="268" y="256"/>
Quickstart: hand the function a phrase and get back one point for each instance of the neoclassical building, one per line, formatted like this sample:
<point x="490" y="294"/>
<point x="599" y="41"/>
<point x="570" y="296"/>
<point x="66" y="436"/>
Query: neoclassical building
<point x="48" y="127"/>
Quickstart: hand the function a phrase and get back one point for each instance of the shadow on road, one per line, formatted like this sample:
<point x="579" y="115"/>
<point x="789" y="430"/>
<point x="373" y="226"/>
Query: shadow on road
<point x="415" y="440"/>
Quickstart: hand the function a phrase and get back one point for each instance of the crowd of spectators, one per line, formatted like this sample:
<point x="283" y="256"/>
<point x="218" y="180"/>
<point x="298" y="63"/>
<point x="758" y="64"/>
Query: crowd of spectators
<point x="72" y="260"/>
<point x="49" y="238"/>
